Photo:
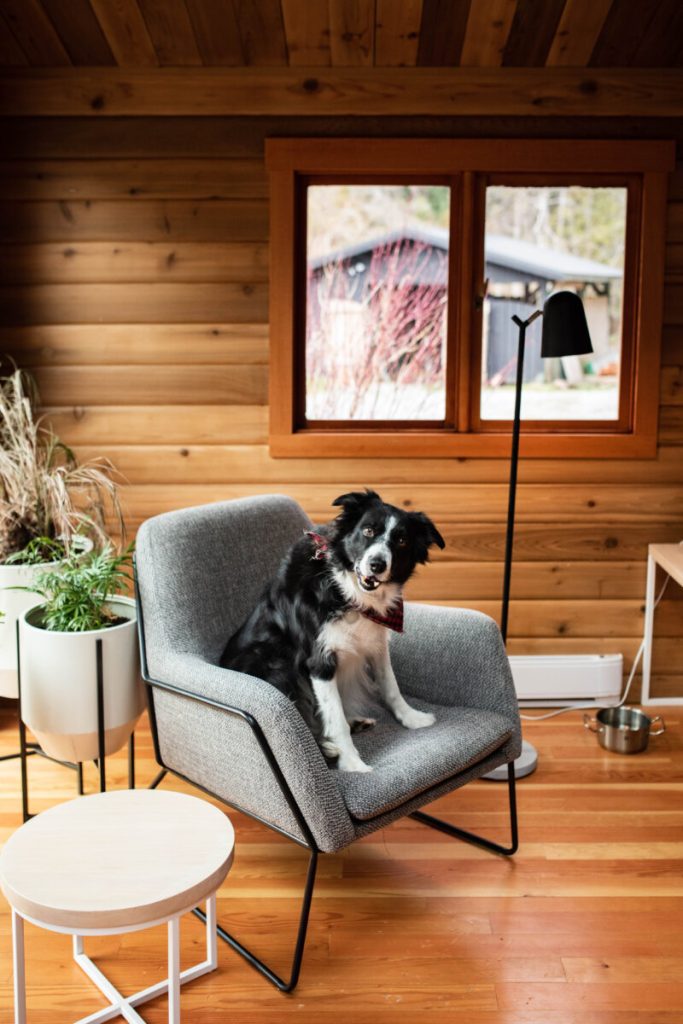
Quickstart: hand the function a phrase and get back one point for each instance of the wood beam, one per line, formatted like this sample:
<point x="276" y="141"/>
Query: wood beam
<point x="355" y="91"/>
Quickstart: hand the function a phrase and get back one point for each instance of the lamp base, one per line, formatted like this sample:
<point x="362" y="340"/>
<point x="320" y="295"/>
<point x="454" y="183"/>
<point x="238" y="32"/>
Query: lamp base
<point x="524" y="765"/>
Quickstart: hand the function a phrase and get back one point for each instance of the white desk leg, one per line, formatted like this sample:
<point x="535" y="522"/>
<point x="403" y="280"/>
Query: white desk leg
<point x="19" y="969"/>
<point x="174" y="971"/>
<point x="649" y="627"/>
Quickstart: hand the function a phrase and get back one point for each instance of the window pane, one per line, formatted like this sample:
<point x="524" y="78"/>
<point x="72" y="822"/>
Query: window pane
<point x="540" y="240"/>
<point x="376" y="302"/>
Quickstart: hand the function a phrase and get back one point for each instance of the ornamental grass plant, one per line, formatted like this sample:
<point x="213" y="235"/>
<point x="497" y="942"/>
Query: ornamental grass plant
<point x="44" y="491"/>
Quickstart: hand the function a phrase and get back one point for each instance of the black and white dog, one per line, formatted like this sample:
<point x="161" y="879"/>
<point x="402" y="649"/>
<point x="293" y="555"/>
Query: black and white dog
<point x="320" y="631"/>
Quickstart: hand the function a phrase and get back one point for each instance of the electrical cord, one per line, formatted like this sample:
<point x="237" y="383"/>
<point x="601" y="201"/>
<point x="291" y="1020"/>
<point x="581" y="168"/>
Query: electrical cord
<point x="587" y="707"/>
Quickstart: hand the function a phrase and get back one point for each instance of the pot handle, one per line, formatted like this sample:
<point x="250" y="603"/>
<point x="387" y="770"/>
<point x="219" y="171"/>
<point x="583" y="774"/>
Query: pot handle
<point x="592" y="725"/>
<point x="662" y="728"/>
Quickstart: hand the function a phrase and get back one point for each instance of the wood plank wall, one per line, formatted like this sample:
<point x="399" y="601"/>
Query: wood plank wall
<point x="133" y="257"/>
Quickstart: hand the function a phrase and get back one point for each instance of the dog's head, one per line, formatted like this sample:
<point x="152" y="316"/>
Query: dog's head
<point x="381" y="543"/>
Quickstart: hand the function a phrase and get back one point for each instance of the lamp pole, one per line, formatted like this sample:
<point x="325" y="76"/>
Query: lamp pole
<point x="528" y="759"/>
<point x="565" y="333"/>
<point x="514" y="459"/>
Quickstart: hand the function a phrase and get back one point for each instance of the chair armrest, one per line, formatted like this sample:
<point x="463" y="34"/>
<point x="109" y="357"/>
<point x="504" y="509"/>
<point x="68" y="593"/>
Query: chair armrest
<point x="454" y="657"/>
<point x="293" y="747"/>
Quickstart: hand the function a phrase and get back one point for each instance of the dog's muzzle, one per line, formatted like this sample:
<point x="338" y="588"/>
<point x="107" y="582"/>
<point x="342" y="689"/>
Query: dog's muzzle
<point x="367" y="583"/>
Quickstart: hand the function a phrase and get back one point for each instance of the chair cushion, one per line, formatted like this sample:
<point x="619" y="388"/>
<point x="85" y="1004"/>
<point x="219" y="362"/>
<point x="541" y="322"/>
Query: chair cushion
<point x="406" y="762"/>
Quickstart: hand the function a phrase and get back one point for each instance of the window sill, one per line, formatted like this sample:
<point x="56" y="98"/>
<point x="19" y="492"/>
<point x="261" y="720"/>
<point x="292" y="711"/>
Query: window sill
<point x="324" y="444"/>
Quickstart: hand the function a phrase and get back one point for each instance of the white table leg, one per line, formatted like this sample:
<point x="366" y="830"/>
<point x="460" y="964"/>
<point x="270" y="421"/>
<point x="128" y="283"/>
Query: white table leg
<point x="174" y="971"/>
<point x="19" y="968"/>
<point x="211" y="936"/>
<point x="649" y="628"/>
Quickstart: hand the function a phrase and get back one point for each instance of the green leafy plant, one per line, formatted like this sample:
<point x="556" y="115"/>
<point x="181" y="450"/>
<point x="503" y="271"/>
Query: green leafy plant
<point x="44" y="491"/>
<point x="75" y="593"/>
<point x="38" y="551"/>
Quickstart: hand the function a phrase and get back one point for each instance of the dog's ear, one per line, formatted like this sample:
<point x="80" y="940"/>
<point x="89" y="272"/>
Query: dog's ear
<point x="356" y="501"/>
<point x="425" y="534"/>
<point x="353" y="505"/>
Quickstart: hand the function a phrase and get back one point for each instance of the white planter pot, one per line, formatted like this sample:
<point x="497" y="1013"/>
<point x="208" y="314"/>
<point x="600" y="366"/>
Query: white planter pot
<point x="14" y="603"/>
<point x="59" y="685"/>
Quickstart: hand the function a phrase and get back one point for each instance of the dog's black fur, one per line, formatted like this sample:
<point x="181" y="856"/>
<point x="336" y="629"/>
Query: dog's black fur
<point x="279" y="641"/>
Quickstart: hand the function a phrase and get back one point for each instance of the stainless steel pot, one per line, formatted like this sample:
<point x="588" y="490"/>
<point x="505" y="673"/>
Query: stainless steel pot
<point x="623" y="730"/>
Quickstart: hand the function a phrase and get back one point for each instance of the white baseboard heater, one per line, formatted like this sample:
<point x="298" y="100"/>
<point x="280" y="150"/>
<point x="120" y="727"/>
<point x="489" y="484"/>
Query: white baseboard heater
<point x="549" y="680"/>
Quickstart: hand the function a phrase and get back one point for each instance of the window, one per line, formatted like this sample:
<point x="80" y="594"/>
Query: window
<point x="396" y="266"/>
<point x="376" y="303"/>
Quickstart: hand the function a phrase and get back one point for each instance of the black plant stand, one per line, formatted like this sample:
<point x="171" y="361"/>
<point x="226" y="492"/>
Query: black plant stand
<point x="27" y="748"/>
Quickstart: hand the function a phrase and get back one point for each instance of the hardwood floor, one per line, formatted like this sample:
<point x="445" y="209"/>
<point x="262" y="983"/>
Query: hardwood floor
<point x="584" y="925"/>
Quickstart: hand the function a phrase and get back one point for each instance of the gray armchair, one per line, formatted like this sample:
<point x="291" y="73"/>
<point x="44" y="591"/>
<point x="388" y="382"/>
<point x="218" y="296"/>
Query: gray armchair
<point x="199" y="571"/>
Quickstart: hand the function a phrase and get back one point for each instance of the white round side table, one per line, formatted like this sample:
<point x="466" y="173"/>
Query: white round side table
<point x="117" y="862"/>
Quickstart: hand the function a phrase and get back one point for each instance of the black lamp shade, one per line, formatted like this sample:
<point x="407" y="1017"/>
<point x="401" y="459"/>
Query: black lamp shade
<point x="565" y="330"/>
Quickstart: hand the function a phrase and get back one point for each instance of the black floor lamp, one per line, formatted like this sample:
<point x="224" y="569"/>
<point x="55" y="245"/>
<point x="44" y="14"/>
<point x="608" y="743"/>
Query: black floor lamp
<point x="565" y="333"/>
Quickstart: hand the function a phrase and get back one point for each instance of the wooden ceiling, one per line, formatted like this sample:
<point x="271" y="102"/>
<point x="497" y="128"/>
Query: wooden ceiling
<point x="341" y="33"/>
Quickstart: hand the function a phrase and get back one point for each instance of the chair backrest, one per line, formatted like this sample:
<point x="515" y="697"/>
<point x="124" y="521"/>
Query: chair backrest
<point x="201" y="570"/>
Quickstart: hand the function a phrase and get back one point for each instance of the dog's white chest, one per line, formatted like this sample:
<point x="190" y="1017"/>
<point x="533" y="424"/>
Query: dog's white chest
<point x="354" y="635"/>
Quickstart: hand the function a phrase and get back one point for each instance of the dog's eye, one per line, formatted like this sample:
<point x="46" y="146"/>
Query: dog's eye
<point x="401" y="542"/>
<point x="368" y="531"/>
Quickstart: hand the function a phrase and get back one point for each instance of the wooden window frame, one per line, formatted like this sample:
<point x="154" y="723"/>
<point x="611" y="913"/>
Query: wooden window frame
<point x="292" y="163"/>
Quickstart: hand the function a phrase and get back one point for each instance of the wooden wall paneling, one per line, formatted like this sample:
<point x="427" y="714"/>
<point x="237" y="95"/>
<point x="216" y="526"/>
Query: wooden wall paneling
<point x="136" y="344"/>
<point x="352" y="32"/>
<point x="130" y="179"/>
<point x="80" y="32"/>
<point x="466" y="503"/>
<point x="126" y="33"/>
<point x="673" y="304"/>
<point x="170" y="29"/>
<point x="154" y="220"/>
<point x="670" y="425"/>
<point x="262" y="32"/>
<point x="257" y="465"/>
<point x="532" y="32"/>
<point x="168" y="385"/>
<point x="397" y="32"/>
<point x="180" y="424"/>
<point x="137" y="262"/>
<point x="307" y="33"/>
<point x="672" y="345"/>
<point x="675" y="222"/>
<point x="578" y="29"/>
<point x="442" y="32"/>
<point x="671" y="389"/>
<point x="486" y="32"/>
<point x="133" y="303"/>
<point x="216" y="32"/>
<point x="35" y="33"/>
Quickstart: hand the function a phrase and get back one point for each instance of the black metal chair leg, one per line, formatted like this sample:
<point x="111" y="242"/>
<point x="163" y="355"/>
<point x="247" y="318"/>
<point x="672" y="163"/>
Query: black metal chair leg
<point x="471" y="837"/>
<point x="271" y="976"/>
<point x="158" y="778"/>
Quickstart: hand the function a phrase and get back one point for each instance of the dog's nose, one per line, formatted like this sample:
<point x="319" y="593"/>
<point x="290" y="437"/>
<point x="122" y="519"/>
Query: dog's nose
<point x="378" y="565"/>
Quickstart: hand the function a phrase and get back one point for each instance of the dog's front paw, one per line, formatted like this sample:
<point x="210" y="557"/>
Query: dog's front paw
<point x="352" y="764"/>
<point x="413" y="719"/>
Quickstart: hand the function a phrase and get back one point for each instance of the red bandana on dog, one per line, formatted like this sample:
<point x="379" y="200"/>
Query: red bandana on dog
<point x="393" y="618"/>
